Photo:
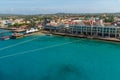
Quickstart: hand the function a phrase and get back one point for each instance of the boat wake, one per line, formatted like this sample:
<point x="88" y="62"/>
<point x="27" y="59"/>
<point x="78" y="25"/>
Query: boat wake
<point x="10" y="46"/>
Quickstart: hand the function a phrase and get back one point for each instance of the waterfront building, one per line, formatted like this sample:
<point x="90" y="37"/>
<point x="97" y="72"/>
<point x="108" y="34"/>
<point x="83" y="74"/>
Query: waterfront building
<point x="96" y="31"/>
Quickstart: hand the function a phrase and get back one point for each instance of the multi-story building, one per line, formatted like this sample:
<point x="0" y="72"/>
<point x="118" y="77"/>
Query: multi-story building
<point x="96" y="31"/>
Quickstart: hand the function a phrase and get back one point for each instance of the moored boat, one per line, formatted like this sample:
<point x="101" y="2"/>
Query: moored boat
<point x="32" y="30"/>
<point x="5" y="38"/>
<point x="16" y="36"/>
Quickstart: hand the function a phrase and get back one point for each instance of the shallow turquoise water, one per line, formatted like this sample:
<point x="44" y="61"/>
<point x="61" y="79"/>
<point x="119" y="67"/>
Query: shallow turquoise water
<point x="82" y="59"/>
<point x="4" y="32"/>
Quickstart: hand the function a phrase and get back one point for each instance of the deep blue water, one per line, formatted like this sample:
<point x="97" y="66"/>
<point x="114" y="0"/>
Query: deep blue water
<point x="54" y="58"/>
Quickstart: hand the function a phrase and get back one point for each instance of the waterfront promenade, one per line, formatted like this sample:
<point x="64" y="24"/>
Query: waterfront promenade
<point x="88" y="37"/>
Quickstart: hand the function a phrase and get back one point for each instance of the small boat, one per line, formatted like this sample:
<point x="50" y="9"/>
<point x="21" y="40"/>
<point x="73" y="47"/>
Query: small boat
<point x="5" y="38"/>
<point x="32" y="30"/>
<point x="48" y="34"/>
<point x="16" y="36"/>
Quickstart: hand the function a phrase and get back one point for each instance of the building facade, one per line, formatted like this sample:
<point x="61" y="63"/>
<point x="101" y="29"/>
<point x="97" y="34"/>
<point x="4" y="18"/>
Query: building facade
<point x="96" y="31"/>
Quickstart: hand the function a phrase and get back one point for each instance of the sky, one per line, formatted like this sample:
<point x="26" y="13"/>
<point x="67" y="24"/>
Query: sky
<point x="58" y="6"/>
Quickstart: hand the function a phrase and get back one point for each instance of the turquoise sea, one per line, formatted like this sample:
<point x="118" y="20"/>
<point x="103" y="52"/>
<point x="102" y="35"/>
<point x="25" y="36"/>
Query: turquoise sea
<point x="42" y="57"/>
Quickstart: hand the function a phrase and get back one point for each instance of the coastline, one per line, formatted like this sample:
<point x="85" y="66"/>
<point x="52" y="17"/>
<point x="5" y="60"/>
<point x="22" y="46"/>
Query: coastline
<point x="87" y="37"/>
<point x="67" y="34"/>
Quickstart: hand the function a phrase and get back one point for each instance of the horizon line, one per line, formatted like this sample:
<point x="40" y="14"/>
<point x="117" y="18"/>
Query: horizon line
<point x="58" y="13"/>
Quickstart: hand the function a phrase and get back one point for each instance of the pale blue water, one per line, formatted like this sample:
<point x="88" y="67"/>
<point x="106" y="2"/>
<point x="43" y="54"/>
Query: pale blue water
<point x="82" y="60"/>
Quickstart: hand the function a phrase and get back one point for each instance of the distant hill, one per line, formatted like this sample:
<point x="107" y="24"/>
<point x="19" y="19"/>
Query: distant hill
<point x="2" y="15"/>
<point x="114" y="14"/>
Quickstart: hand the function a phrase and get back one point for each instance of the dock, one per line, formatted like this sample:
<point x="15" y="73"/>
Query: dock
<point x="18" y="30"/>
